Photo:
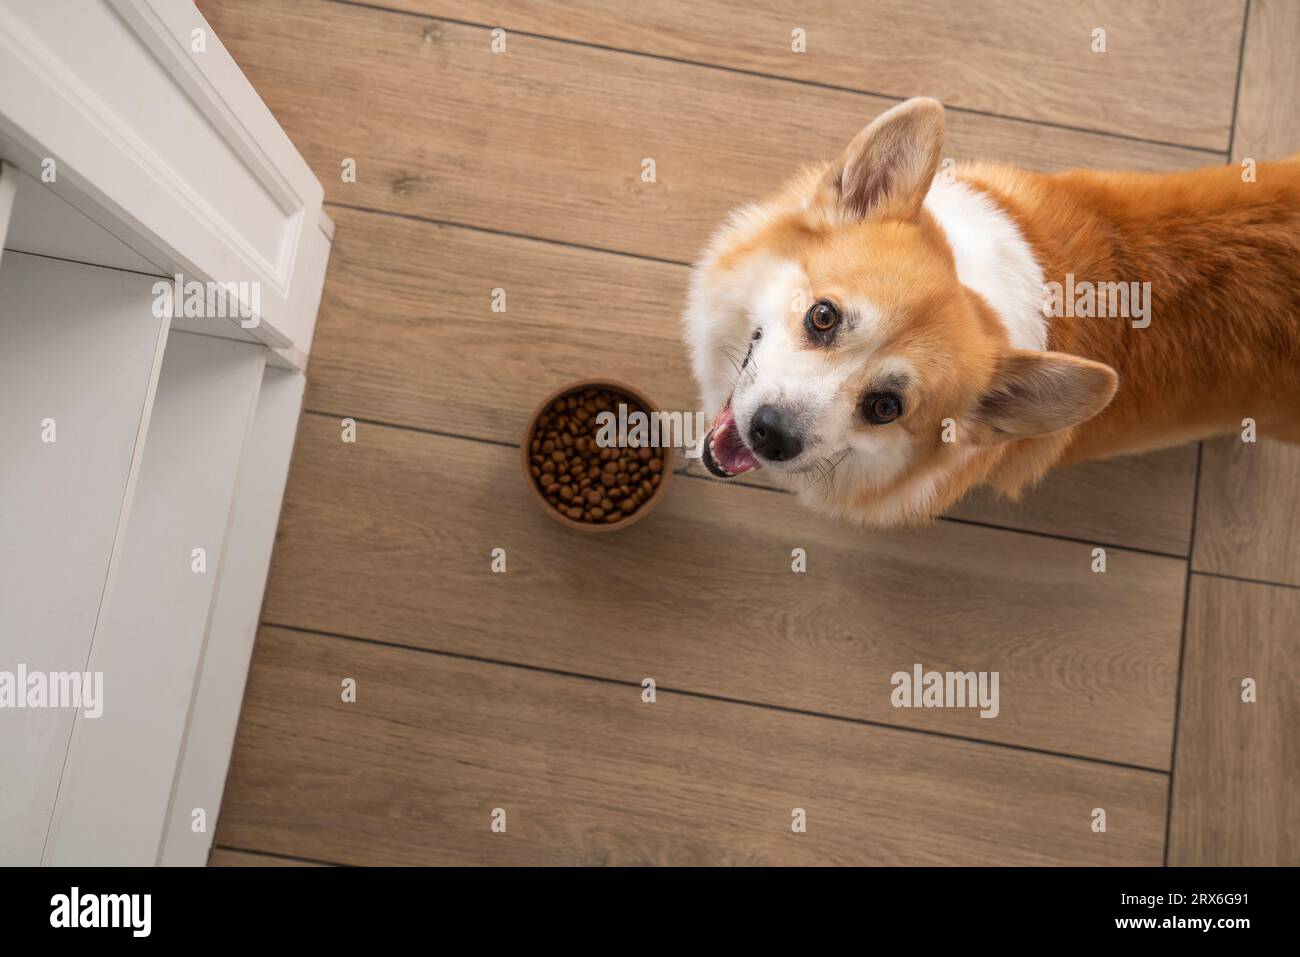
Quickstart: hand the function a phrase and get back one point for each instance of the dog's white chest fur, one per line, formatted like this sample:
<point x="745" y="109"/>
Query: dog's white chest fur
<point x="993" y="259"/>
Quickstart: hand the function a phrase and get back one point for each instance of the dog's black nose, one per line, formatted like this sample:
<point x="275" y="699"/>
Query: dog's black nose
<point x="771" y="435"/>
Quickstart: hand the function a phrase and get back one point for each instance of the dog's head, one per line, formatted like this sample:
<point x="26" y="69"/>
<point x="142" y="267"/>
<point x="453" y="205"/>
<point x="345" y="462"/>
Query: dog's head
<point x="832" y="337"/>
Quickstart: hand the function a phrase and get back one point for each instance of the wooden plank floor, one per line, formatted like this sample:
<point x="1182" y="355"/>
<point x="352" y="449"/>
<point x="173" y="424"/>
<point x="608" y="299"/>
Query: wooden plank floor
<point x="1234" y="798"/>
<point x="587" y="773"/>
<point x="521" y="171"/>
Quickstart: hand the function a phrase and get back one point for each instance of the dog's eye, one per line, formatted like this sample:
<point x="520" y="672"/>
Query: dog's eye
<point x="881" y="408"/>
<point x="758" y="334"/>
<point x="822" y="318"/>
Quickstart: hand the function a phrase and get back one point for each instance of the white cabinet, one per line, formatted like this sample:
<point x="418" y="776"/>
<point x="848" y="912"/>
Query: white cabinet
<point x="144" y="441"/>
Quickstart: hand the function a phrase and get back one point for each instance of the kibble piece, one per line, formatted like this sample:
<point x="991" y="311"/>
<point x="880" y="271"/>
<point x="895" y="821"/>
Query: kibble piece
<point x="656" y="465"/>
<point x="597" y="513"/>
<point x="613" y="516"/>
<point x="607" y="479"/>
<point x="645" y="454"/>
<point x="574" y="513"/>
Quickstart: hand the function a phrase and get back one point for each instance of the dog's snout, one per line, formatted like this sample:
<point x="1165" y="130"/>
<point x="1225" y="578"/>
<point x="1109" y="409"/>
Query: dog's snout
<point x="772" y="436"/>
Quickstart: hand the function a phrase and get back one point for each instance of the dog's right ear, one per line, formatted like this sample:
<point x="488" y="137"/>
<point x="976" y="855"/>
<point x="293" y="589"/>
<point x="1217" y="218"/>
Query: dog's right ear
<point x="1036" y="393"/>
<point x="887" y="168"/>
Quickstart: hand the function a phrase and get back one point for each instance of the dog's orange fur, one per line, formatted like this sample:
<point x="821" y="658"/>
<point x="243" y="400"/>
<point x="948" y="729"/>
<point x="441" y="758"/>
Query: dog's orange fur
<point x="1223" y="259"/>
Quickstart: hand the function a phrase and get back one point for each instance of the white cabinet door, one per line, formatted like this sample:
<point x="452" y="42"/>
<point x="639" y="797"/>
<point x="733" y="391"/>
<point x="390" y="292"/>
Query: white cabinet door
<point x="79" y="356"/>
<point x="121" y="766"/>
<point x="134" y="113"/>
<point x="214" y="716"/>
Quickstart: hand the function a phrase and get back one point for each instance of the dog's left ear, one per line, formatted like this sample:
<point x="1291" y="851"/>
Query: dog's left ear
<point x="1037" y="393"/>
<point x="887" y="168"/>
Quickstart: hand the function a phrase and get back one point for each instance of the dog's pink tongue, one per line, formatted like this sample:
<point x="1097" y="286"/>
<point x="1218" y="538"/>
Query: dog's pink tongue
<point x="726" y="446"/>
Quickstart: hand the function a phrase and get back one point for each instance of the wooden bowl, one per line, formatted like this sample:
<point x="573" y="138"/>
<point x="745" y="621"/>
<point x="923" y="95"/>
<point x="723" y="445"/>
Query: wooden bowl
<point x="635" y="398"/>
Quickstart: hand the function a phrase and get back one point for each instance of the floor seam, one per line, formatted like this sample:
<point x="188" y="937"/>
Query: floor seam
<point x="741" y="71"/>
<point x="708" y="696"/>
<point x="491" y="231"/>
<point x="1182" y="656"/>
<point x="277" y="854"/>
<point x="954" y="520"/>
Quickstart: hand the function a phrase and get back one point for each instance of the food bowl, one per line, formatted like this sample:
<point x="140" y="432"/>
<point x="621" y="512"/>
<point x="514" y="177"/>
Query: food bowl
<point x="575" y="481"/>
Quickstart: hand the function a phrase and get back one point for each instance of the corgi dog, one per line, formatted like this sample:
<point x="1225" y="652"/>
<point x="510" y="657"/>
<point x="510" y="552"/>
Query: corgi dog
<point x="884" y="334"/>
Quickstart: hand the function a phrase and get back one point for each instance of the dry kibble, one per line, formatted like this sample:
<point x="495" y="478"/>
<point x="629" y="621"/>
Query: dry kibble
<point x="582" y="480"/>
